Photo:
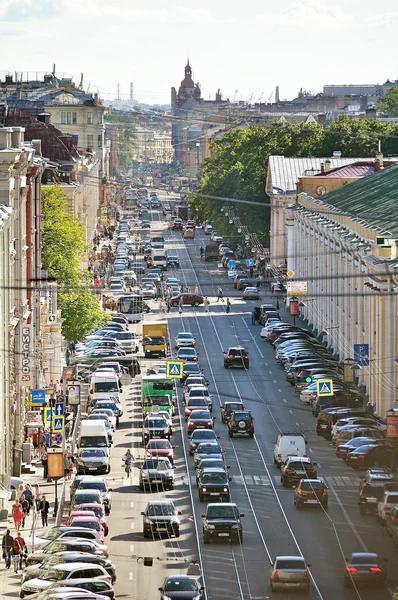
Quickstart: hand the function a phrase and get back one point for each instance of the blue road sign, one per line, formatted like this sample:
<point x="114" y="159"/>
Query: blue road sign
<point x="361" y="354"/>
<point x="47" y="416"/>
<point x="249" y="262"/>
<point x="324" y="387"/>
<point x="59" y="409"/>
<point x="174" y="369"/>
<point x="39" y="397"/>
<point x="58" y="438"/>
<point x="231" y="264"/>
<point x="58" y="424"/>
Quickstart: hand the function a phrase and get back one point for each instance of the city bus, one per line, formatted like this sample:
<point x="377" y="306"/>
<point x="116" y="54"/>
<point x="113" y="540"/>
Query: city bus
<point x="133" y="306"/>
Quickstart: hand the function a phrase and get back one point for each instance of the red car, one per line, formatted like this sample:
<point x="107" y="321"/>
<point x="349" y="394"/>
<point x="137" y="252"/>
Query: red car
<point x="98" y="510"/>
<point x="160" y="448"/>
<point x="195" y="404"/>
<point x="187" y="299"/>
<point x="90" y="523"/>
<point x="200" y="419"/>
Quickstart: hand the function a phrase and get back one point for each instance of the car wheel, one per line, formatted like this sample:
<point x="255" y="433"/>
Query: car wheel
<point x="247" y="366"/>
<point x="171" y="487"/>
<point x="273" y="588"/>
<point x="141" y="487"/>
<point x="177" y="532"/>
<point x="196" y="303"/>
<point x="239" y="537"/>
<point x="145" y="533"/>
<point x="285" y="481"/>
<point x="200" y="497"/>
<point x="174" y="304"/>
<point x="362" y="511"/>
<point x="230" y="433"/>
<point x="297" y="505"/>
<point x="109" y="469"/>
<point x="325" y="506"/>
<point x="251" y="434"/>
<point x="206" y="539"/>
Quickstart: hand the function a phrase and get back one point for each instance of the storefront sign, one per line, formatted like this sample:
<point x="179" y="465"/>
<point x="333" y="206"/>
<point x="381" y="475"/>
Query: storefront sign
<point x="392" y="426"/>
<point x="26" y="359"/>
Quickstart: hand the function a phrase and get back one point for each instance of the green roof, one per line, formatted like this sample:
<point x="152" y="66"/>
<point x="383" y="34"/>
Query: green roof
<point x="373" y="198"/>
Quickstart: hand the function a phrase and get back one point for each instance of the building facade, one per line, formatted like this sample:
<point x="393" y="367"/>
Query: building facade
<point x="345" y="247"/>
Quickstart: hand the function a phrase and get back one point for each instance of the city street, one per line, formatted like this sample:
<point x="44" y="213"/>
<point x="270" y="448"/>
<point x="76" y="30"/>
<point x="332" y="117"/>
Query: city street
<point x="272" y="525"/>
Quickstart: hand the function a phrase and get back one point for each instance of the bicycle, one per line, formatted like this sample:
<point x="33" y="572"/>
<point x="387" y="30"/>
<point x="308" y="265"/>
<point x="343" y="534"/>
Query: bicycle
<point x="128" y="468"/>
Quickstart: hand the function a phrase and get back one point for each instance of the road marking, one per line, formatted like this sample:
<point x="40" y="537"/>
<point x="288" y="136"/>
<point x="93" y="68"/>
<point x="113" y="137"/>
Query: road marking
<point x="284" y="400"/>
<point x="131" y="576"/>
<point x="249" y="479"/>
<point x="131" y="504"/>
<point x="132" y="525"/>
<point x="265" y="480"/>
<point x="131" y="548"/>
<point x="310" y="450"/>
<point x="338" y="481"/>
<point x="270" y="372"/>
<point x="275" y="381"/>
<point x="350" y="523"/>
<point x="290" y="410"/>
<point x="279" y="390"/>
<point x="237" y="479"/>
<point x="256" y="479"/>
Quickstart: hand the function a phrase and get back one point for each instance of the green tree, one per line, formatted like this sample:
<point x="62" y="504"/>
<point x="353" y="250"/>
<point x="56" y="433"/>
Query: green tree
<point x="63" y="243"/>
<point x="388" y="105"/>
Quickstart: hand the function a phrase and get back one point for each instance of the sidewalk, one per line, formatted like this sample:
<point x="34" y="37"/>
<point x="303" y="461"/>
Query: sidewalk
<point x="10" y="581"/>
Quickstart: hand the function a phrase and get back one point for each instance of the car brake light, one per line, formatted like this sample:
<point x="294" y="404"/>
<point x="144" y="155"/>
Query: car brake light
<point x="109" y="578"/>
<point x="375" y="569"/>
<point x="276" y="576"/>
<point x="279" y="455"/>
<point x="360" y="455"/>
<point x="288" y="470"/>
<point x="229" y="356"/>
<point x="351" y="570"/>
<point x="305" y="575"/>
<point x="324" y="492"/>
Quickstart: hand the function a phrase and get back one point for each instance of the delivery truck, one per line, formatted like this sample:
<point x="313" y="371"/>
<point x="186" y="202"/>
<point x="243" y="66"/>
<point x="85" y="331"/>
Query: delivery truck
<point x="182" y="212"/>
<point x="155" y="338"/>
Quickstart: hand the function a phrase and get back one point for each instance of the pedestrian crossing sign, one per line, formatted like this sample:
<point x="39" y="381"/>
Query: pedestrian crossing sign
<point x="324" y="387"/>
<point x="58" y="424"/>
<point x="174" y="369"/>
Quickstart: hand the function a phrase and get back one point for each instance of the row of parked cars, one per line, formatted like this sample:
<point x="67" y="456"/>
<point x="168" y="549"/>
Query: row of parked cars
<point x="357" y="434"/>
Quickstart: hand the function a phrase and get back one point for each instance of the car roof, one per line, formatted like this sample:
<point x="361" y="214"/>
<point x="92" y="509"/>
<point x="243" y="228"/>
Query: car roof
<point x="300" y="459"/>
<point x="213" y="470"/>
<point x="162" y="502"/>
<point x="222" y="504"/>
<point x="289" y="557"/>
<point x="370" y="555"/>
<point x="71" y="566"/>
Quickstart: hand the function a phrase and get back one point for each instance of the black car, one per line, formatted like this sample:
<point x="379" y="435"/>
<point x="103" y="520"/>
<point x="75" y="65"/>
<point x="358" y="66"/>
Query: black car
<point x="365" y="568"/>
<point x="181" y="587"/>
<point x="228" y="408"/>
<point x="190" y="368"/>
<point x="199" y="436"/>
<point x="236" y="356"/>
<point x="372" y="488"/>
<point x="33" y="571"/>
<point x="241" y="422"/>
<point x="173" y="261"/>
<point x="155" y="428"/>
<point x="371" y="455"/>
<point x="160" y="516"/>
<point x="210" y="463"/>
<point x="297" y="468"/>
<point x="222" y="521"/>
<point x="157" y="472"/>
<point x="213" y="483"/>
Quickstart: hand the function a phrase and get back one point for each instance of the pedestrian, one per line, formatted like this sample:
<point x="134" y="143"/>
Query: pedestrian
<point x="181" y="301"/>
<point x="220" y="294"/>
<point x="168" y="304"/>
<point x="23" y="548"/>
<point x="25" y="509"/>
<point x="66" y="466"/>
<point x="6" y="544"/>
<point x="44" y="462"/>
<point x="35" y="441"/>
<point x="47" y="434"/>
<point x="17" y="514"/>
<point x="37" y="496"/>
<point x="28" y="496"/>
<point x="228" y="307"/>
<point x="258" y="282"/>
<point x="188" y="290"/>
<point x="206" y="304"/>
<point x="44" y="507"/>
<point x="16" y="554"/>
<point x="251" y="272"/>
<point x="253" y="316"/>
<point x="196" y="289"/>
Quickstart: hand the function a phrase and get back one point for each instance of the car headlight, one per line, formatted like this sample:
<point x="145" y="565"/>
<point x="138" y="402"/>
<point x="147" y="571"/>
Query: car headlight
<point x="225" y="489"/>
<point x="145" y="476"/>
<point x="204" y="489"/>
<point x="148" y="521"/>
<point x="235" y="526"/>
<point x="210" y="526"/>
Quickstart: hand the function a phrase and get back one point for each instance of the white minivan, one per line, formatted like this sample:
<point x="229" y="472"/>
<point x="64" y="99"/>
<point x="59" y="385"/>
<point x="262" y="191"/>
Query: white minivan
<point x="288" y="444"/>
<point x="105" y="382"/>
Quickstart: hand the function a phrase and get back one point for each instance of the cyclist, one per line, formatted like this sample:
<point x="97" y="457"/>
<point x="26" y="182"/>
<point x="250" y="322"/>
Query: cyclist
<point x="128" y="459"/>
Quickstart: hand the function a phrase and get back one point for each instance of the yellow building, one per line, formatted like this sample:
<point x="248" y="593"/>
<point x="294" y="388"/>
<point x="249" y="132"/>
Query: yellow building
<point x="345" y="246"/>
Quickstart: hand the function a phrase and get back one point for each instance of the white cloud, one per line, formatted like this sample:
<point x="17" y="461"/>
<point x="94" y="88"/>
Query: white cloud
<point x="383" y="20"/>
<point x="308" y="12"/>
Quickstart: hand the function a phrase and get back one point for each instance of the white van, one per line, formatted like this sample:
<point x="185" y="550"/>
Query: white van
<point x="104" y="383"/>
<point x="288" y="444"/>
<point x="93" y="434"/>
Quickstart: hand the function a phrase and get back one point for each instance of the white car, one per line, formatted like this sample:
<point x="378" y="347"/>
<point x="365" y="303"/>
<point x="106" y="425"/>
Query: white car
<point x="184" y="339"/>
<point x="200" y="391"/>
<point x="38" y="542"/>
<point x="63" y="572"/>
<point x="109" y="413"/>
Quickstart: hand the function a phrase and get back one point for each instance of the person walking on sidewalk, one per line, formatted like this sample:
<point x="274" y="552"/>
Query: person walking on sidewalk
<point x="253" y="316"/>
<point x="25" y="509"/>
<point x="23" y="549"/>
<point x="6" y="544"/>
<point x="37" y="496"/>
<point x="16" y="554"/>
<point x="206" y="303"/>
<point x="228" y="307"/>
<point x="17" y="514"/>
<point x="44" y="508"/>
<point x="220" y="295"/>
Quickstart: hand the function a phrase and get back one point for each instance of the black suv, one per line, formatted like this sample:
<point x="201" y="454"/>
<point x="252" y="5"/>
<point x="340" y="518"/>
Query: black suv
<point x="222" y="521"/>
<point x="297" y="468"/>
<point x="236" y="356"/>
<point x="372" y="488"/>
<point x="241" y="422"/>
<point x="228" y="408"/>
<point x="155" y="427"/>
<point x="213" y="482"/>
<point x="160" y="516"/>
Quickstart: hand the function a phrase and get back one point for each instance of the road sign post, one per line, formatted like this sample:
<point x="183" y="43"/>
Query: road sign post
<point x="361" y="355"/>
<point x="174" y="369"/>
<point x="324" y="387"/>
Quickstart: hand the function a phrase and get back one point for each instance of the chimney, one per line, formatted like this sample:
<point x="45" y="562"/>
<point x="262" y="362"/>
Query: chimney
<point x="44" y="118"/>
<point x="327" y="165"/>
<point x="8" y="79"/>
<point x="277" y="94"/>
<point x="370" y="113"/>
<point x="337" y="154"/>
<point x="321" y="119"/>
<point x="379" y="155"/>
<point x="17" y="136"/>
<point x="37" y="146"/>
<point x="322" y="169"/>
<point x="376" y="165"/>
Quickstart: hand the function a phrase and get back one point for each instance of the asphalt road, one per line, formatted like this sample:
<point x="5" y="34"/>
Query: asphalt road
<point x="272" y="525"/>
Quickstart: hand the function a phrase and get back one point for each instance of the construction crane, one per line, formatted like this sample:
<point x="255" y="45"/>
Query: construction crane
<point x="251" y="98"/>
<point x="261" y="97"/>
<point x="270" y="97"/>
<point x="234" y="98"/>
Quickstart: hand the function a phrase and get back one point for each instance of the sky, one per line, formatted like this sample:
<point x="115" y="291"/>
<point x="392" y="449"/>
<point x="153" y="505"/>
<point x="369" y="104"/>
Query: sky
<point x="245" y="48"/>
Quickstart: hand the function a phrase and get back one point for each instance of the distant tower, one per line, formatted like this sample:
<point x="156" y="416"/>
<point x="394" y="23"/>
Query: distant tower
<point x="118" y="91"/>
<point x="131" y="91"/>
<point x="277" y="93"/>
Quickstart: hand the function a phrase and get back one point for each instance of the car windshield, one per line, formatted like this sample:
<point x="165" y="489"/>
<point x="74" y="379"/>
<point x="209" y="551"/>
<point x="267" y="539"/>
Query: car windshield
<point x="204" y="434"/>
<point x="232" y="407"/>
<point x="51" y="534"/>
<point x="159" y="510"/>
<point x="97" y="484"/>
<point x="242" y="417"/>
<point x="155" y="423"/>
<point x="200" y="415"/>
<point x="312" y="485"/>
<point x="109" y="405"/>
<point x="161" y="401"/>
<point x="289" y="563"/>
<point x="197" y="402"/>
<point x="92" y="452"/>
<point x="88" y="524"/>
<point x="106" y="386"/>
<point x="209" y="449"/>
<point x="364" y="559"/>
<point x="222" y="512"/>
<point x="214" y="478"/>
<point x="202" y="393"/>
<point x="56" y="547"/>
<point x="159" y="444"/>
<point x="53" y="575"/>
<point x="181" y="585"/>
<point x="184" y="336"/>
<point x="374" y="489"/>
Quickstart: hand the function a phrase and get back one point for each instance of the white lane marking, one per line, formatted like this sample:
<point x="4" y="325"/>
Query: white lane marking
<point x="131" y="504"/>
<point x="275" y="381"/>
<point x="279" y="390"/>
<point x="132" y="525"/>
<point x="131" y="576"/>
<point x="290" y="410"/>
<point x="131" y="548"/>
<point x="253" y="338"/>
<point x="249" y="479"/>
<point x="237" y="479"/>
<point x="350" y="523"/>
<point x="256" y="479"/>
<point x="310" y="450"/>
<point x="265" y="480"/>
<point x="284" y="400"/>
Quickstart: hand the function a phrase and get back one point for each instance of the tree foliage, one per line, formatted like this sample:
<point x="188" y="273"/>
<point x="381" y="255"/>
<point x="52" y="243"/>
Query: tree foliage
<point x="388" y="105"/>
<point x="238" y="167"/>
<point x="63" y="242"/>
